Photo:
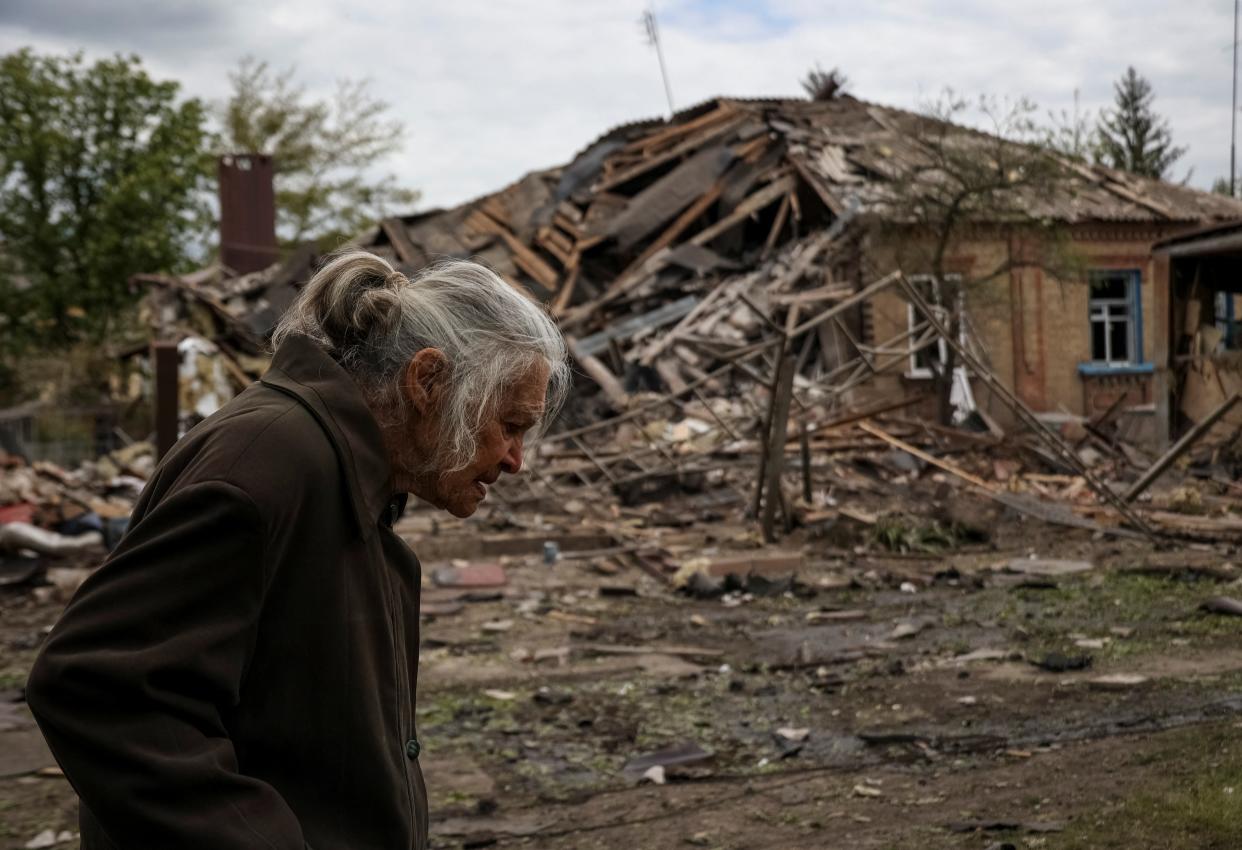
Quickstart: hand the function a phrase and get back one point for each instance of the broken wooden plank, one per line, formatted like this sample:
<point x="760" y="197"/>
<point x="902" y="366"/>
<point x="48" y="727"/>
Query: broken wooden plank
<point x="675" y="229"/>
<point x="866" y="413"/>
<point x="831" y="201"/>
<point x="668" y="313"/>
<point x="407" y="252"/>
<point x="566" y="293"/>
<point x="831" y="292"/>
<point x="525" y="258"/>
<point x="622" y="649"/>
<point x="708" y="136"/>
<point x="778" y="224"/>
<point x="555" y="243"/>
<point x="950" y="468"/>
<point x="755" y="202"/>
<point x="666" y="197"/>
<point x="1225" y="528"/>
<point x="643" y="145"/>
<point x="600" y="374"/>
<point x="756" y="164"/>
<point x="1180" y="447"/>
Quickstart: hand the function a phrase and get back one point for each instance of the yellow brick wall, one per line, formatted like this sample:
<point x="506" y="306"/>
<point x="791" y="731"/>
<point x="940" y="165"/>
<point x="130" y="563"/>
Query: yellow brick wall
<point x="1053" y="319"/>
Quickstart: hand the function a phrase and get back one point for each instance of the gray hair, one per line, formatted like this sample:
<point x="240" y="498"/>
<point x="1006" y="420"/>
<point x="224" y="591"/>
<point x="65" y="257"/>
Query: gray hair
<point x="373" y="320"/>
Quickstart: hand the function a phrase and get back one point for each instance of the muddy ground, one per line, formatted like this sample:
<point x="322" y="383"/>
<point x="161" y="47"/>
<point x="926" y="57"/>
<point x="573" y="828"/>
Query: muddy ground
<point x="884" y="700"/>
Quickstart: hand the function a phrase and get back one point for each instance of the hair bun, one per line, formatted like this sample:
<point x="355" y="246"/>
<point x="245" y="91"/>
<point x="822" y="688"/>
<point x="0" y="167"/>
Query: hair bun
<point x="356" y="298"/>
<point x="375" y="312"/>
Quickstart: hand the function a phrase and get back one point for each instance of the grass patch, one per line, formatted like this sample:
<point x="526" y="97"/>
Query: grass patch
<point x="1195" y="800"/>
<point x="13" y="679"/>
<point x="1157" y="608"/>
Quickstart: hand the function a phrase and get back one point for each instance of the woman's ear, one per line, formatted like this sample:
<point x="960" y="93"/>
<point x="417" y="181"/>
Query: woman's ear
<point x="425" y="379"/>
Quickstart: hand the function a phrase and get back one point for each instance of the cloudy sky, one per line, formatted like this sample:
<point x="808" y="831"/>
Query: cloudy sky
<point x="489" y="89"/>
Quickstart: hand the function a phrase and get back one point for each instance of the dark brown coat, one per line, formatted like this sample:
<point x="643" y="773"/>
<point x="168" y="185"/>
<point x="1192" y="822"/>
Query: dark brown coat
<point x="240" y="673"/>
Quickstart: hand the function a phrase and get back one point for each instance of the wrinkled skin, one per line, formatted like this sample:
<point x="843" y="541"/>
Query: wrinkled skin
<point x="414" y="439"/>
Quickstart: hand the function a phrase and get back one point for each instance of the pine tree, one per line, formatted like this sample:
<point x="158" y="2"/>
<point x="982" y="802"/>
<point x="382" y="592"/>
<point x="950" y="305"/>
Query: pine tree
<point x="1131" y="136"/>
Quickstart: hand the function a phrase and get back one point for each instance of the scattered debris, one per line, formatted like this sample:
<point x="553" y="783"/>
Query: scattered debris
<point x="1223" y="605"/>
<point x="677" y="755"/>
<point x="470" y="575"/>
<point x="1118" y="681"/>
<point x="1035" y="827"/>
<point x="49" y="838"/>
<point x="793" y="735"/>
<point x="16" y="536"/>
<point x="1056" y="662"/>
<point x="1048" y="567"/>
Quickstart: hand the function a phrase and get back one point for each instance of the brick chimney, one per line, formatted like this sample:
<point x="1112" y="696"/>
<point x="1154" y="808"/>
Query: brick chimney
<point x="247" y="212"/>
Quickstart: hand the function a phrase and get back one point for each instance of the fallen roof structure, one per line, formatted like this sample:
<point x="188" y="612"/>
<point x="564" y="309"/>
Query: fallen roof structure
<point x="653" y="204"/>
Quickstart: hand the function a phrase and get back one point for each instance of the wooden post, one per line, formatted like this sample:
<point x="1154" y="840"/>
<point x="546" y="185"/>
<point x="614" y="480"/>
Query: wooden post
<point x="1179" y="448"/>
<point x="804" y="442"/>
<point x="776" y="444"/>
<point x="600" y="374"/>
<point x="1161" y="332"/>
<point x="166" y="361"/>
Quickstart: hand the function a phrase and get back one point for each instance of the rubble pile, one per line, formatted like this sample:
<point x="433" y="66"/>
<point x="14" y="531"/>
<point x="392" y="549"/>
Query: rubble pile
<point x="740" y="555"/>
<point x="229" y="317"/>
<point x="713" y="277"/>
<point x="70" y="517"/>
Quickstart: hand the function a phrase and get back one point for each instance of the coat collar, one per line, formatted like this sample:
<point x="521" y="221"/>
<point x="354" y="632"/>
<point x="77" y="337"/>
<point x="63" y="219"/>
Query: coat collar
<point x="300" y="368"/>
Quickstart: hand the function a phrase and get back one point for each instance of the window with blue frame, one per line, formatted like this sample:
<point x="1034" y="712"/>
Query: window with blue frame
<point x="1116" y="315"/>
<point x="1227" y="323"/>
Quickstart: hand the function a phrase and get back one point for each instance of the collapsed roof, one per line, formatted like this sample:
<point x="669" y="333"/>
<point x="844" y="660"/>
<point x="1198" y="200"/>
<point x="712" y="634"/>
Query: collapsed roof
<point x="726" y="181"/>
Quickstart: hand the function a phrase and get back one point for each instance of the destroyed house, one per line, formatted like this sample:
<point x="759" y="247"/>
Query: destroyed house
<point x="633" y="242"/>
<point x="1198" y="278"/>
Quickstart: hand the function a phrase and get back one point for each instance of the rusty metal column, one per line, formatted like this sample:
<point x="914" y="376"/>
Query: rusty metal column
<point x="165" y="360"/>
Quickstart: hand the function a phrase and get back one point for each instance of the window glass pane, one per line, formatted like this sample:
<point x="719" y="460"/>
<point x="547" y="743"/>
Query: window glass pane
<point x="1110" y="285"/>
<point x="1097" y="341"/>
<point x="1119" y="336"/>
<point x="1235" y="342"/>
<point x="934" y="354"/>
<point x="922" y="357"/>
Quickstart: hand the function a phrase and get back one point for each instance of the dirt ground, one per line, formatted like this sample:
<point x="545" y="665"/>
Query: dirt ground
<point x="883" y="700"/>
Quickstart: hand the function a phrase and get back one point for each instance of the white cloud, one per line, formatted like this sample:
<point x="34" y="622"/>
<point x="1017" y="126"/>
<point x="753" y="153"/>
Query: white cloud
<point x="490" y="89"/>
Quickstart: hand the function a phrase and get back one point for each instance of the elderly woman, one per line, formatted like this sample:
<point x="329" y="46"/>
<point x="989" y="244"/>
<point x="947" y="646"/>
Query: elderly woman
<point x="241" y="672"/>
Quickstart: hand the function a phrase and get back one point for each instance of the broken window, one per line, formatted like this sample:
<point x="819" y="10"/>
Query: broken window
<point x="1227" y="322"/>
<point x="925" y="362"/>
<point x="1116" y="318"/>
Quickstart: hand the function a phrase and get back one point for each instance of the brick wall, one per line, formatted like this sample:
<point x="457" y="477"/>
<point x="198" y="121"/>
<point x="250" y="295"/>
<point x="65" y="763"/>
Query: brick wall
<point x="1036" y="348"/>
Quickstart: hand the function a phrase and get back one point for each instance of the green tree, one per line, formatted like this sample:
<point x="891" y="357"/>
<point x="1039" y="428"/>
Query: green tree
<point x="1131" y="136"/>
<point x="101" y="176"/>
<point x="325" y="151"/>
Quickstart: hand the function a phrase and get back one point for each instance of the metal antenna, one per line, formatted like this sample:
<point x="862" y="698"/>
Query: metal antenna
<point x="653" y="38"/>
<point x="1233" y="122"/>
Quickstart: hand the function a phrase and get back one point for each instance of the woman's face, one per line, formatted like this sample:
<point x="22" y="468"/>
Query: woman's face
<point x="419" y="463"/>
